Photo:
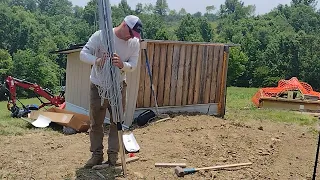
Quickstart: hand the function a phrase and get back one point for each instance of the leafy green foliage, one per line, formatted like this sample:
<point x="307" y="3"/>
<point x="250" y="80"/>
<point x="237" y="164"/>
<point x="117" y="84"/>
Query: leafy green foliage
<point x="161" y="7"/>
<point x="6" y="64"/>
<point x="279" y="44"/>
<point x="36" y="68"/>
<point x="236" y="68"/>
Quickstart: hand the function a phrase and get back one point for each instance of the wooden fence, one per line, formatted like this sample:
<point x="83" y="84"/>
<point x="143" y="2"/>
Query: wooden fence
<point x="184" y="74"/>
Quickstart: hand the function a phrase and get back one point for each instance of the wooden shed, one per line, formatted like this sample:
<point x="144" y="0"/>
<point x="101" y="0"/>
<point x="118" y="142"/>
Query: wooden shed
<point x="187" y="77"/>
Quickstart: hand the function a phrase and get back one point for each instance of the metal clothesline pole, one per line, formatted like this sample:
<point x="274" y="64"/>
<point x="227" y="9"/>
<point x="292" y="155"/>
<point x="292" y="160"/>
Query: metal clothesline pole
<point x="111" y="87"/>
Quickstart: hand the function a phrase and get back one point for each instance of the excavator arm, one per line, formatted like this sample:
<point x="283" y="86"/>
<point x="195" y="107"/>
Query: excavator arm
<point x="12" y="83"/>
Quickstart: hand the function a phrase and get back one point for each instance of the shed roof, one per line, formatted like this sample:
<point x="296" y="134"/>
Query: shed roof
<point x="71" y="49"/>
<point x="78" y="47"/>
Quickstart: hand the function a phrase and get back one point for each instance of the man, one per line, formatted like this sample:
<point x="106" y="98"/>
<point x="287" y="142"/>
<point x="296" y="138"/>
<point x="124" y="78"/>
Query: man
<point x="127" y="47"/>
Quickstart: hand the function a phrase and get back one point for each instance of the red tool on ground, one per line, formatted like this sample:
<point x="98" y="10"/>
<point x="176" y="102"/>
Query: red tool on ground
<point x="11" y="85"/>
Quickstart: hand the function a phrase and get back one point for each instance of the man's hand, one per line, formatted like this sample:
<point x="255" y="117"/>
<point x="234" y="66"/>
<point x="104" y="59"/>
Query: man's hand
<point x="117" y="61"/>
<point x="100" y="62"/>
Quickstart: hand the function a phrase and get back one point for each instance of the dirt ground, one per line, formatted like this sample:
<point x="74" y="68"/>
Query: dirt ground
<point x="276" y="150"/>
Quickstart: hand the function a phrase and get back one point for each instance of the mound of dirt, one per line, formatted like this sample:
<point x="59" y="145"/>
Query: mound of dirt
<point x="276" y="150"/>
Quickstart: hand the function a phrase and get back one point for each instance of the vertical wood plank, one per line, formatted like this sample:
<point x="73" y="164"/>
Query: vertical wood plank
<point x="68" y="82"/>
<point x="208" y="75"/>
<point x="174" y="75"/>
<point x="186" y="76"/>
<point x="197" y="90"/>
<point x="180" y="76"/>
<point x="162" y="69"/>
<point x="143" y="78"/>
<point x="222" y="102"/>
<point x="168" y="70"/>
<point x="77" y="83"/>
<point x="192" y="74"/>
<point x="82" y="84"/>
<point x="215" y="69"/>
<point x="147" y="85"/>
<point x="73" y="82"/>
<point x="220" y="50"/>
<point x="155" y="71"/>
<point x="203" y="74"/>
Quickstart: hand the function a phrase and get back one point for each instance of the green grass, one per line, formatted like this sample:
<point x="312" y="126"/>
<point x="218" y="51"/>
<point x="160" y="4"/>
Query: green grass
<point x="16" y="126"/>
<point x="240" y="107"/>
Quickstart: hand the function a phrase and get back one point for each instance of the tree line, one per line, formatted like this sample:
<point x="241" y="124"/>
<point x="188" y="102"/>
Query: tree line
<point x="277" y="45"/>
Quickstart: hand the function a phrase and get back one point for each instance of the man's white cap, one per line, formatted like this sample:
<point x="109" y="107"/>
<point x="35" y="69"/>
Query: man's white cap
<point x="135" y="24"/>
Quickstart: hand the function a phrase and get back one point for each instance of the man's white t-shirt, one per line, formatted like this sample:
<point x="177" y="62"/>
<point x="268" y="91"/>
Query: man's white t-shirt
<point x="127" y="50"/>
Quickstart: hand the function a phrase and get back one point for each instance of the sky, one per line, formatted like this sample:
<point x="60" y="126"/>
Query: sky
<point x="262" y="6"/>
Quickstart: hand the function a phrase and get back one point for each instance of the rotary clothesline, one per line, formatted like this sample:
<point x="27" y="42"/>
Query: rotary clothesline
<point x="109" y="75"/>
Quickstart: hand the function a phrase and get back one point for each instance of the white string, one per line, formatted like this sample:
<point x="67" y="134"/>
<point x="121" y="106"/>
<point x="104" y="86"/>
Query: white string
<point x="109" y="75"/>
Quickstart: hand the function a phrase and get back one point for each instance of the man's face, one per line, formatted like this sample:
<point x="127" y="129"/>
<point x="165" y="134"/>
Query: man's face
<point x="127" y="33"/>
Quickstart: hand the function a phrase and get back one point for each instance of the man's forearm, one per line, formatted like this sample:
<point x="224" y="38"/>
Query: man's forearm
<point x="87" y="57"/>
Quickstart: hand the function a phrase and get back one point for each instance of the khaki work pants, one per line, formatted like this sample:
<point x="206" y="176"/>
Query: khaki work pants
<point x="97" y="116"/>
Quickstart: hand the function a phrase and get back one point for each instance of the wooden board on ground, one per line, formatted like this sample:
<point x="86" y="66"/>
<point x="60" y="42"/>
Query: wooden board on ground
<point x="102" y="166"/>
<point x="170" y="164"/>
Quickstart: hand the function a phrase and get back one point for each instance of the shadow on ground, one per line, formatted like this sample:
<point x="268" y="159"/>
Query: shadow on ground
<point x="107" y="173"/>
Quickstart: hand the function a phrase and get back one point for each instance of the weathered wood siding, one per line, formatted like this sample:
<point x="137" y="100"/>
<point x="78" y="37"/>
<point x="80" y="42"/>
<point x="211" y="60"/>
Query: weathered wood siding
<point x="183" y="74"/>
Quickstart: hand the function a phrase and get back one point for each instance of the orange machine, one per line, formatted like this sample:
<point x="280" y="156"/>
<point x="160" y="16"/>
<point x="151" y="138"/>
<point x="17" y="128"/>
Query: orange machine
<point x="289" y="94"/>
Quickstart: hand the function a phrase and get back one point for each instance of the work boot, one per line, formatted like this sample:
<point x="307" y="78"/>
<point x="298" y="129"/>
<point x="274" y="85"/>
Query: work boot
<point x="112" y="159"/>
<point x="94" y="160"/>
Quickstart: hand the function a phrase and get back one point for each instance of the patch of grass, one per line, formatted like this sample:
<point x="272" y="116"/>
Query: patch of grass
<point x="240" y="107"/>
<point x="16" y="126"/>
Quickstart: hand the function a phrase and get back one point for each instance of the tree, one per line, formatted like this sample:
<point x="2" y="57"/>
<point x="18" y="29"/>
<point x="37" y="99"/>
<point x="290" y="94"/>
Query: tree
<point x="124" y="6"/>
<point x="162" y="34"/>
<point x="36" y="68"/>
<point x="205" y="30"/>
<point x="311" y="3"/>
<point x="6" y="63"/>
<point x="210" y="9"/>
<point x="197" y="14"/>
<point x="78" y="12"/>
<point x="90" y="13"/>
<point x="30" y="5"/>
<point x="209" y="13"/>
<point x="154" y="27"/>
<point x="237" y="66"/>
<point x="188" y="29"/>
<point x="236" y="9"/>
<point x="139" y="8"/>
<point x="148" y="8"/>
<point x="55" y="7"/>
<point x="161" y="7"/>
<point x="182" y="12"/>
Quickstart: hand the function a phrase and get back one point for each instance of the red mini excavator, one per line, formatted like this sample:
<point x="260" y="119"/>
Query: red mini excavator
<point x="11" y="85"/>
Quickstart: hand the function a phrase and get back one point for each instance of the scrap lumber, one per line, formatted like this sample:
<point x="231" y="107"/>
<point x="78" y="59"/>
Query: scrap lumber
<point x="170" y="164"/>
<point x="103" y="166"/>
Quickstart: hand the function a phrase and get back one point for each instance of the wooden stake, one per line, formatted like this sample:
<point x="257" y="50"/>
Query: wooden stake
<point x="103" y="166"/>
<point x="170" y="164"/>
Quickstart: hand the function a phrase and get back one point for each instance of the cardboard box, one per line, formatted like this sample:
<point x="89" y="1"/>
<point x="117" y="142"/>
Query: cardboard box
<point x="79" y="122"/>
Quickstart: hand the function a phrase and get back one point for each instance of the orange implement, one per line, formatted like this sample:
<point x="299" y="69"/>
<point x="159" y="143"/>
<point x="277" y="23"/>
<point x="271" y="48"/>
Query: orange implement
<point x="300" y="91"/>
